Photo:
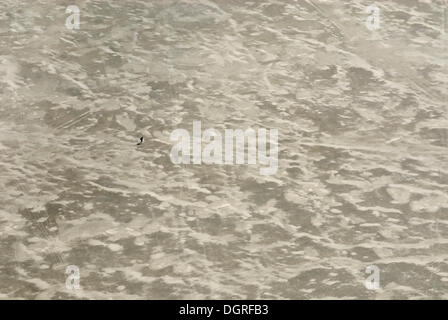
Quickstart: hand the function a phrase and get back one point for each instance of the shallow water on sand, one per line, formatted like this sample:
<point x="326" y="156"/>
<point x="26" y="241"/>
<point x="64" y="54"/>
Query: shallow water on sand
<point x="363" y="138"/>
